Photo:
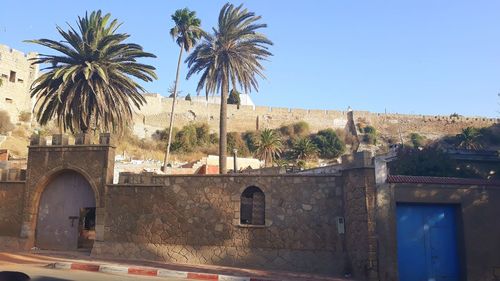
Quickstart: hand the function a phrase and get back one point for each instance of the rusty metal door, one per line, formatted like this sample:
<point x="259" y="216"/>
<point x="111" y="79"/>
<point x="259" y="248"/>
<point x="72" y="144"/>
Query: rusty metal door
<point x="59" y="211"/>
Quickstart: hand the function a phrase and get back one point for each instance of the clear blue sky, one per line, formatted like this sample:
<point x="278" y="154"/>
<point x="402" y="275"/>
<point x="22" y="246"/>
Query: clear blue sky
<point x="422" y="57"/>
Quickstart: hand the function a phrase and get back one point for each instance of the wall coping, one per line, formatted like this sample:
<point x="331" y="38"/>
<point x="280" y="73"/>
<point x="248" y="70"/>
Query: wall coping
<point x="440" y="180"/>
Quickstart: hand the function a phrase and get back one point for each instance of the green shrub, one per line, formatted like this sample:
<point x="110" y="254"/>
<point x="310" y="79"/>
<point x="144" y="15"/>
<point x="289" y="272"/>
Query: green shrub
<point x="214" y="138"/>
<point x="417" y="140"/>
<point x="329" y="144"/>
<point x="251" y="139"/>
<point x="370" y="134"/>
<point x="234" y="140"/>
<point x="301" y="129"/>
<point x="295" y="130"/>
<point x="5" y="124"/>
<point x="202" y="133"/>
<point x="188" y="97"/>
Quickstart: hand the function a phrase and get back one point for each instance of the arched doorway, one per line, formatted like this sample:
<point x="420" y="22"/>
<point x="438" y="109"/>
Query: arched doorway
<point x="66" y="214"/>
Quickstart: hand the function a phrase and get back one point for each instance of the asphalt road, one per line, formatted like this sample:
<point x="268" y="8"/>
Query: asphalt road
<point x="38" y="273"/>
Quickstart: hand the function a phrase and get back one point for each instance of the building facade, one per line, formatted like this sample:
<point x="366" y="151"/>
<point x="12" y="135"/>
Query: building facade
<point x="353" y="220"/>
<point x="17" y="74"/>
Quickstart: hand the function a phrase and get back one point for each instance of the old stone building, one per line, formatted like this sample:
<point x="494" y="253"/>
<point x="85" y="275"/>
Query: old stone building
<point x="17" y="74"/>
<point x="354" y="219"/>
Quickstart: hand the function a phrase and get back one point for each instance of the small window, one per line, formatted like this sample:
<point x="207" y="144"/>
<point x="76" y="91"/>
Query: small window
<point x="12" y="77"/>
<point x="8" y="100"/>
<point x="5" y="76"/>
<point x="252" y="206"/>
<point x="20" y="80"/>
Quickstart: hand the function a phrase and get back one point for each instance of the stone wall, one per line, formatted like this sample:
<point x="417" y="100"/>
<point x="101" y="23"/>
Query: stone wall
<point x="17" y="74"/>
<point x="11" y="208"/>
<point x="195" y="219"/>
<point x="156" y="113"/>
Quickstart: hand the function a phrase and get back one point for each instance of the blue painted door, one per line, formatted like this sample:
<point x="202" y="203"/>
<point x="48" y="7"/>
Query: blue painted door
<point x="427" y="242"/>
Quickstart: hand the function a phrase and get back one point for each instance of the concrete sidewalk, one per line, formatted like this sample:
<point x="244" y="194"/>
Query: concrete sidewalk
<point x="83" y="261"/>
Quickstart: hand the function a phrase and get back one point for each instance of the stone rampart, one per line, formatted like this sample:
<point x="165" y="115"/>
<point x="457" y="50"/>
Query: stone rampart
<point x="156" y="113"/>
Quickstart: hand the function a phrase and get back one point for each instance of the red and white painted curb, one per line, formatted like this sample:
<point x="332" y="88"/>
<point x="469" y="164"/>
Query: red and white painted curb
<point x="150" y="271"/>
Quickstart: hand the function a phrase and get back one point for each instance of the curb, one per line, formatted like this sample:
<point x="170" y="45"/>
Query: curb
<point x="151" y="271"/>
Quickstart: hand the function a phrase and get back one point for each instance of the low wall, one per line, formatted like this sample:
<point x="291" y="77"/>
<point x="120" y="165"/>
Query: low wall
<point x="195" y="219"/>
<point x="478" y="228"/>
<point x="11" y="208"/>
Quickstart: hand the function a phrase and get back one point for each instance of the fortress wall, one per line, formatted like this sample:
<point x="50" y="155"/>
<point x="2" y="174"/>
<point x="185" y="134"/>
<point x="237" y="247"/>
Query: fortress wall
<point x="17" y="74"/>
<point x="156" y="115"/>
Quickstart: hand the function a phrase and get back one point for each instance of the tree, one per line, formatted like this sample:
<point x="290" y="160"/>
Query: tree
<point x="304" y="149"/>
<point x="186" y="33"/>
<point x="469" y="138"/>
<point x="269" y="146"/>
<point x="329" y="144"/>
<point x="90" y="84"/>
<point x="234" y="98"/>
<point x="232" y="55"/>
<point x="429" y="161"/>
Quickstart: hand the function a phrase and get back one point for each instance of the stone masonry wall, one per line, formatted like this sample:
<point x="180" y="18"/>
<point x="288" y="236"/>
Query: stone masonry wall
<point x="195" y="219"/>
<point x="11" y="208"/>
<point x="156" y="113"/>
<point x="17" y="74"/>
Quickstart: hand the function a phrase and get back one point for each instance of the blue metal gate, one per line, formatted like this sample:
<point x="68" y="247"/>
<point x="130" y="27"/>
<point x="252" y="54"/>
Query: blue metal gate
<point x="427" y="242"/>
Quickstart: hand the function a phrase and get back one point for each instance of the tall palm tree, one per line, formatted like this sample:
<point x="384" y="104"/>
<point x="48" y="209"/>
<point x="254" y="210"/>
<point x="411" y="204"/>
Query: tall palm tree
<point x="304" y="149"/>
<point x="468" y="138"/>
<point x="233" y="54"/>
<point x="90" y="83"/>
<point x="186" y="33"/>
<point x="269" y="146"/>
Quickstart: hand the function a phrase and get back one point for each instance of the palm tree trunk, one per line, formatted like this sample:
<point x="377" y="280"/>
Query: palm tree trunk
<point x="223" y="125"/>
<point x="167" y="154"/>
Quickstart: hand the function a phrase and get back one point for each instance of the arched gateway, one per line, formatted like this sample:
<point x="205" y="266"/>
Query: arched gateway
<point x="66" y="213"/>
<point x="63" y="206"/>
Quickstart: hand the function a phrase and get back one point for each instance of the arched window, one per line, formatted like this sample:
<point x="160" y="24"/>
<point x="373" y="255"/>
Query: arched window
<point x="252" y="206"/>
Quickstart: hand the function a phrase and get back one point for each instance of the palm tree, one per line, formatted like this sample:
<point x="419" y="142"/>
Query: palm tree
<point x="468" y="138"/>
<point x="304" y="149"/>
<point x="186" y="33"/>
<point x="269" y="146"/>
<point x="89" y="85"/>
<point x="232" y="55"/>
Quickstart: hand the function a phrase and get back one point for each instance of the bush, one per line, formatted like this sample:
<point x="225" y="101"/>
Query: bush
<point x="251" y="139"/>
<point x="417" y="140"/>
<point x="202" y="133"/>
<point x="329" y="144"/>
<point x="234" y="140"/>
<point x="5" y="124"/>
<point x="428" y="162"/>
<point x="214" y="138"/>
<point x="301" y="129"/>
<point x="370" y="134"/>
<point x="25" y="116"/>
<point x="188" y="97"/>
<point x="295" y="130"/>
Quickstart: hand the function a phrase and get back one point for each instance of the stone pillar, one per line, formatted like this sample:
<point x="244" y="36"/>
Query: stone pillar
<point x="83" y="139"/>
<point x="105" y="138"/>
<point x="59" y="139"/>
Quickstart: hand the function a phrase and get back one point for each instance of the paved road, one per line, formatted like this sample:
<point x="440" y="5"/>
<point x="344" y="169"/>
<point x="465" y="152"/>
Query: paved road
<point x="38" y="273"/>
